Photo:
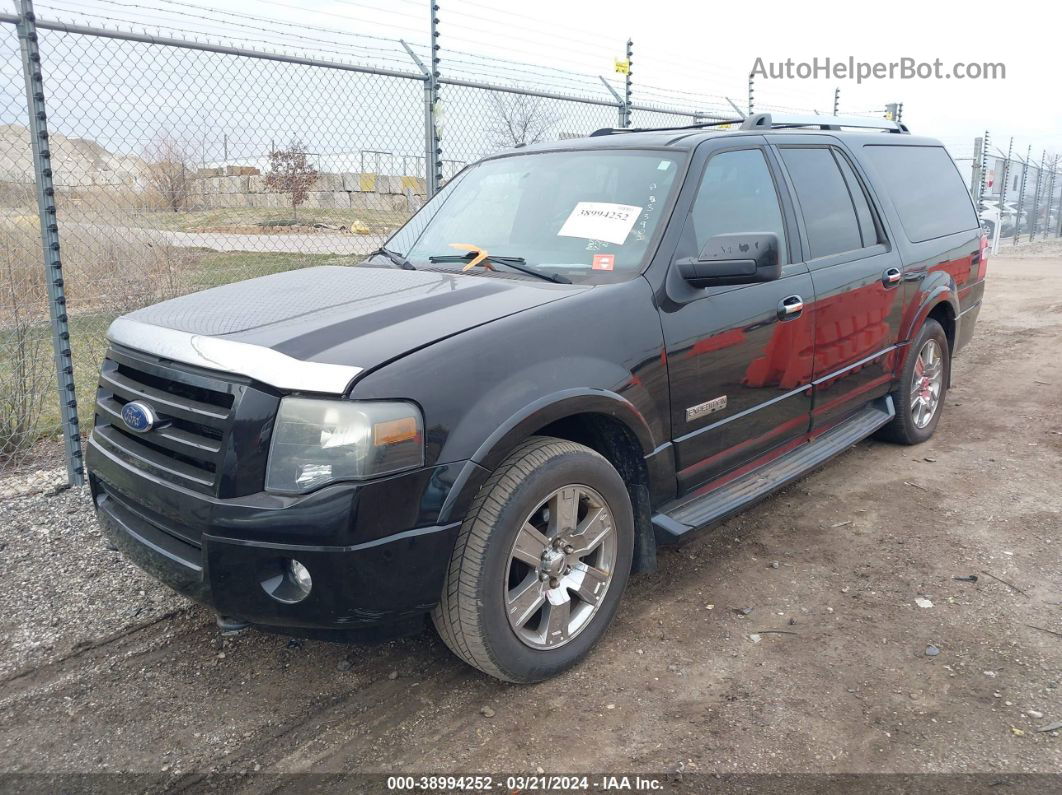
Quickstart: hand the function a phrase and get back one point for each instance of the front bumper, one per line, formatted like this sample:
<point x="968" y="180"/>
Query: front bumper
<point x="377" y="552"/>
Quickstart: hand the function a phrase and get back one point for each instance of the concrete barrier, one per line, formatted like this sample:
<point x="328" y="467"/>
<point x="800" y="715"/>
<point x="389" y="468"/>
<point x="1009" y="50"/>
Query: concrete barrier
<point x="357" y="191"/>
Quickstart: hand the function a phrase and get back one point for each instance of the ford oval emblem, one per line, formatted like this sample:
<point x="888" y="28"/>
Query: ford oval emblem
<point x="139" y="416"/>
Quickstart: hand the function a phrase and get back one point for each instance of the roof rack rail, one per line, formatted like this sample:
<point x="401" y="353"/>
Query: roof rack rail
<point x="697" y="126"/>
<point x="769" y="121"/>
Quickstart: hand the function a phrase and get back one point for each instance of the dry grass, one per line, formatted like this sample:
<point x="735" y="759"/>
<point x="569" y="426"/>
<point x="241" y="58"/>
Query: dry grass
<point x="116" y="258"/>
<point x="104" y="268"/>
<point x="105" y="274"/>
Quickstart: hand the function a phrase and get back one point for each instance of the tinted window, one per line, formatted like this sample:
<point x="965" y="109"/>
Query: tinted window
<point x="859" y="199"/>
<point x="736" y="195"/>
<point x="926" y="189"/>
<point x="829" y="215"/>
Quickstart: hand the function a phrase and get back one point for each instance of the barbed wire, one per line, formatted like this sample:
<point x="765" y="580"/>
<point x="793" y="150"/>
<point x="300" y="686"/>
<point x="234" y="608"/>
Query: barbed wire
<point x="544" y="72"/>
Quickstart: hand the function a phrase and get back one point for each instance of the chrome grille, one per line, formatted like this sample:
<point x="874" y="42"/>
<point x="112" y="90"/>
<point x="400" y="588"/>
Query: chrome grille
<point x="195" y="411"/>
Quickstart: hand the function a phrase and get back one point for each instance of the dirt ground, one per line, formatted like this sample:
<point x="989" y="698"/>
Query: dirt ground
<point x="103" y="670"/>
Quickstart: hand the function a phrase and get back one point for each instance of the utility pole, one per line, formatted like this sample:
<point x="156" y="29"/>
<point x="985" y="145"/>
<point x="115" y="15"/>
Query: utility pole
<point x="837" y="101"/>
<point x="53" y="266"/>
<point x="752" y="92"/>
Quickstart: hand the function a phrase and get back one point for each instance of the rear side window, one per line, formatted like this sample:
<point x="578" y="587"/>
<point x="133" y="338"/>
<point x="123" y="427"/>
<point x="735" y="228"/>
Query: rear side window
<point x="825" y="202"/>
<point x="926" y="189"/>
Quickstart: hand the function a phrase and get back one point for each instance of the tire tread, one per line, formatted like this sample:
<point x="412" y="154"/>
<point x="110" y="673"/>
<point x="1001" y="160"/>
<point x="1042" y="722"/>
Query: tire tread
<point x="901" y="429"/>
<point x="457" y="616"/>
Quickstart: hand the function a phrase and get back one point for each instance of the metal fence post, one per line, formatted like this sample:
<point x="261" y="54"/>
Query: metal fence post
<point x="1050" y="196"/>
<point x="627" y="86"/>
<point x="433" y="127"/>
<point x="621" y="106"/>
<point x="975" y="170"/>
<point x="1002" y="196"/>
<point x="1021" y="191"/>
<point x="431" y="143"/>
<point x="53" y="268"/>
<point x="1035" y="220"/>
<point x="983" y="176"/>
<point x="1058" y="231"/>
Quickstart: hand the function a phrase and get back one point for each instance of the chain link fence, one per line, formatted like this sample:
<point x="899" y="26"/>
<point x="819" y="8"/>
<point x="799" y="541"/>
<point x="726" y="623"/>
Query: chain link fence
<point x="1020" y="194"/>
<point x="1018" y="190"/>
<point x="28" y="398"/>
<point x="181" y="165"/>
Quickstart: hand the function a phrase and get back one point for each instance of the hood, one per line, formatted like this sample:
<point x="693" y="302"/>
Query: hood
<point x="313" y="328"/>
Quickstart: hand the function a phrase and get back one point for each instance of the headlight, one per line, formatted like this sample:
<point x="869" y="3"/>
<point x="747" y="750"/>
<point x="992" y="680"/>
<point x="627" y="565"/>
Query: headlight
<point x="321" y="441"/>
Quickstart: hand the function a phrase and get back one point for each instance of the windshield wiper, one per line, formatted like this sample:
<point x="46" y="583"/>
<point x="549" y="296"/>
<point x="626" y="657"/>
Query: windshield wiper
<point x="394" y="256"/>
<point x="516" y="263"/>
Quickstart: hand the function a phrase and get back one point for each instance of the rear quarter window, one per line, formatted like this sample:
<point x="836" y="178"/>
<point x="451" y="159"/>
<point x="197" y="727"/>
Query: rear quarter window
<point x="926" y="189"/>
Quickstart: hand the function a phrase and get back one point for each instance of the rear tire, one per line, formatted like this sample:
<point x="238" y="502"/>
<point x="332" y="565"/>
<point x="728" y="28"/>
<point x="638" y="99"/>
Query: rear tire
<point x="540" y="563"/>
<point x="923" y="387"/>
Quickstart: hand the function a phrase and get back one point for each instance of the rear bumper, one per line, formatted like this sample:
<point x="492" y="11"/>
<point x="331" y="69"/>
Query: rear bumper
<point x="388" y="567"/>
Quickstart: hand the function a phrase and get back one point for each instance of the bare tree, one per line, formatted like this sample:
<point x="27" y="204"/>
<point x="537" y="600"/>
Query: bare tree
<point x="168" y="171"/>
<point x="291" y="172"/>
<point x="519" y="120"/>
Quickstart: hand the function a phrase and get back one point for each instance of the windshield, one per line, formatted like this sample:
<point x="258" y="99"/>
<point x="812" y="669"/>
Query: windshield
<point x="587" y="215"/>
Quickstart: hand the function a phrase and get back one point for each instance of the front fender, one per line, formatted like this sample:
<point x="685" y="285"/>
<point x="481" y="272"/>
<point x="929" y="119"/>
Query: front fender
<point x="524" y="423"/>
<point x="558" y="406"/>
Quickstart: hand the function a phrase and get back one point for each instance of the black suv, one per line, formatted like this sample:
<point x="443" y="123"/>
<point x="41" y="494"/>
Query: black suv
<point x="575" y="352"/>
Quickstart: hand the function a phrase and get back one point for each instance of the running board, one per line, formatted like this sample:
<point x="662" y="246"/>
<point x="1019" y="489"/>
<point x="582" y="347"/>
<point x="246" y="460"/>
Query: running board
<point x="685" y="517"/>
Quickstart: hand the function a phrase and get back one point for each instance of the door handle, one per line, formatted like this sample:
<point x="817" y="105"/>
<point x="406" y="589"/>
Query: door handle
<point x="790" y="307"/>
<point x="891" y="277"/>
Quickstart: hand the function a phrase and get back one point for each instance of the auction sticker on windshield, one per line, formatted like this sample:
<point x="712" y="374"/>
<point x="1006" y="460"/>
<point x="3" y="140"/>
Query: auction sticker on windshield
<point x="601" y="221"/>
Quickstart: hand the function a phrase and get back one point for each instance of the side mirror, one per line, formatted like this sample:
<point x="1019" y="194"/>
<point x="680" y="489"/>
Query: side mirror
<point x="734" y="259"/>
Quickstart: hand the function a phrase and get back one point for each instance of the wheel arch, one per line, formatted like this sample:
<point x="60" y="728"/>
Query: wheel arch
<point x="941" y="304"/>
<point x="944" y="313"/>
<point x="602" y="420"/>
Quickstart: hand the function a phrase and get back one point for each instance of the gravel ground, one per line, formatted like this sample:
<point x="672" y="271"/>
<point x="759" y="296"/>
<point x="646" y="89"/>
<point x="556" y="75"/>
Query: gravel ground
<point x="894" y="665"/>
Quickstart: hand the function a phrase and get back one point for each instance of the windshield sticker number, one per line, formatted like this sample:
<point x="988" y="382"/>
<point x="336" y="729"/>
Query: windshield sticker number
<point x="604" y="262"/>
<point x="601" y="221"/>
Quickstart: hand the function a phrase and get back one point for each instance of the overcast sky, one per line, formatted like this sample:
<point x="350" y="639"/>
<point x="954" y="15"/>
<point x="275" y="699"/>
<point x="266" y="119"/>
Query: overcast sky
<point x="697" y="53"/>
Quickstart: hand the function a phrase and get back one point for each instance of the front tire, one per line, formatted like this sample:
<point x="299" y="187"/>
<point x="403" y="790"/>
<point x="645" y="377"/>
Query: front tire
<point x="923" y="387"/>
<point x="540" y="563"/>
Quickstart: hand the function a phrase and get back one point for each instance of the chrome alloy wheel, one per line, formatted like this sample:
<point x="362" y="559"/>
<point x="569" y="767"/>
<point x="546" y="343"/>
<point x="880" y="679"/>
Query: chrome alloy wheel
<point x="560" y="567"/>
<point x="927" y="382"/>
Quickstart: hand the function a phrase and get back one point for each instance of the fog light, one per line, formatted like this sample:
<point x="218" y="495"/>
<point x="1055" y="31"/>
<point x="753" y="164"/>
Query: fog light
<point x="300" y="574"/>
<point x="287" y="580"/>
